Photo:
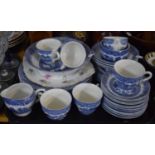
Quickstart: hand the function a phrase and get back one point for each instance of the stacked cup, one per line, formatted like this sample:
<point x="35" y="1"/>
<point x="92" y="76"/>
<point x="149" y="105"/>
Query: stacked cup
<point x="114" y="48"/>
<point x="109" y="50"/>
<point x="126" y="91"/>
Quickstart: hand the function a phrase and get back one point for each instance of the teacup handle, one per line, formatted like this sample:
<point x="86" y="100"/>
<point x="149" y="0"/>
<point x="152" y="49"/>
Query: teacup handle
<point x="39" y="92"/>
<point x="139" y="57"/>
<point x="91" y="54"/>
<point x="149" y="76"/>
<point x="57" y="56"/>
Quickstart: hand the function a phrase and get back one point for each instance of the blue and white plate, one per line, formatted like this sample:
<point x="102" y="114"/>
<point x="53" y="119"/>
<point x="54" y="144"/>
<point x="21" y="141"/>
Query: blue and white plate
<point x="125" y="108"/>
<point x="123" y="115"/>
<point x="122" y="105"/>
<point x="125" y="92"/>
<point x="108" y="91"/>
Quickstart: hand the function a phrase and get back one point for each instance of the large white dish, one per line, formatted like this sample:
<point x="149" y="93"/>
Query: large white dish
<point x="57" y="79"/>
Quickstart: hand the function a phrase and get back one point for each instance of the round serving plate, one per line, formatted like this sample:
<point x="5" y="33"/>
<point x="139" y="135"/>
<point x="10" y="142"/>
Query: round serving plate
<point x="58" y="79"/>
<point x="23" y="78"/>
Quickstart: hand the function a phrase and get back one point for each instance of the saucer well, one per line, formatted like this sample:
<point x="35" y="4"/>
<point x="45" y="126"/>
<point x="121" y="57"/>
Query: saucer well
<point x="141" y="95"/>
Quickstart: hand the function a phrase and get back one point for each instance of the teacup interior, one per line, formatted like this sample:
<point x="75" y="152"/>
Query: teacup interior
<point x="48" y="44"/>
<point x="129" y="68"/>
<point x="88" y="93"/>
<point x="56" y="99"/>
<point x="73" y="54"/>
<point x="18" y="91"/>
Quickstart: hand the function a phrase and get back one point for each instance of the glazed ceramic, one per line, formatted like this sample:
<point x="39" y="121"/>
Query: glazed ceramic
<point x="130" y="72"/>
<point x="48" y="51"/>
<point x="57" y="79"/>
<point x="16" y="37"/>
<point x="106" y="86"/>
<point x="150" y="58"/>
<point x="33" y="58"/>
<point x="123" y="106"/>
<point x="113" y="55"/>
<point x="124" y="89"/>
<point x="55" y="103"/>
<point x="73" y="54"/>
<point x="108" y="65"/>
<point x="125" y="114"/>
<point x="23" y="78"/>
<point x="19" y="98"/>
<point x="87" y="97"/>
<point x="115" y="43"/>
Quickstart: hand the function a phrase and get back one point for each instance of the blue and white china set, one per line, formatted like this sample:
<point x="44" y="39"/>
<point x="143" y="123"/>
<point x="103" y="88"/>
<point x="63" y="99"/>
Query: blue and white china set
<point x="54" y="67"/>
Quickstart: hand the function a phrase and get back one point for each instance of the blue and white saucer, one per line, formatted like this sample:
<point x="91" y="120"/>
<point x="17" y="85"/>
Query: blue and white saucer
<point x="139" y="96"/>
<point x="123" y="115"/>
<point x="125" y="92"/>
<point x="123" y="107"/>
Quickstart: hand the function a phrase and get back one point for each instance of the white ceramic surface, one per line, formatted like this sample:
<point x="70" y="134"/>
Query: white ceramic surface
<point x="17" y="92"/>
<point x="87" y="93"/>
<point x="131" y="69"/>
<point x="73" y="54"/>
<point x="117" y="45"/>
<point x="150" y="58"/>
<point x="57" y="79"/>
<point x="56" y="99"/>
<point x="48" y="44"/>
<point x="19" y="98"/>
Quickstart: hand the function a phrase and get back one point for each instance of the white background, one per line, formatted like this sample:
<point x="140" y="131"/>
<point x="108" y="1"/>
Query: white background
<point x="71" y="15"/>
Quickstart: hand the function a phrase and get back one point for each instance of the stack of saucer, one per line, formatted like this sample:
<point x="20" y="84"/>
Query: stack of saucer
<point x="126" y="92"/>
<point x="16" y="37"/>
<point x="59" y="62"/>
<point x="105" y="56"/>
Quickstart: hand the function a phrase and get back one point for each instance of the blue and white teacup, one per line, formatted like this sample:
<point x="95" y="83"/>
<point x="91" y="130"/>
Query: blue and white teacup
<point x="19" y="98"/>
<point x="87" y="97"/>
<point x="115" y="43"/>
<point x="48" y="49"/>
<point x="130" y="73"/>
<point x="55" y="103"/>
<point x="112" y="55"/>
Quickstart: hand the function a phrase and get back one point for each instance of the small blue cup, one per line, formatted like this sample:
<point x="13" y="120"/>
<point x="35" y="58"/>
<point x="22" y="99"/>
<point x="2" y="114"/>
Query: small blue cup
<point x="48" y="49"/>
<point x="19" y="98"/>
<point x="114" y="55"/>
<point x="55" y="103"/>
<point x="87" y="97"/>
<point x="115" y="43"/>
<point x="129" y="74"/>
